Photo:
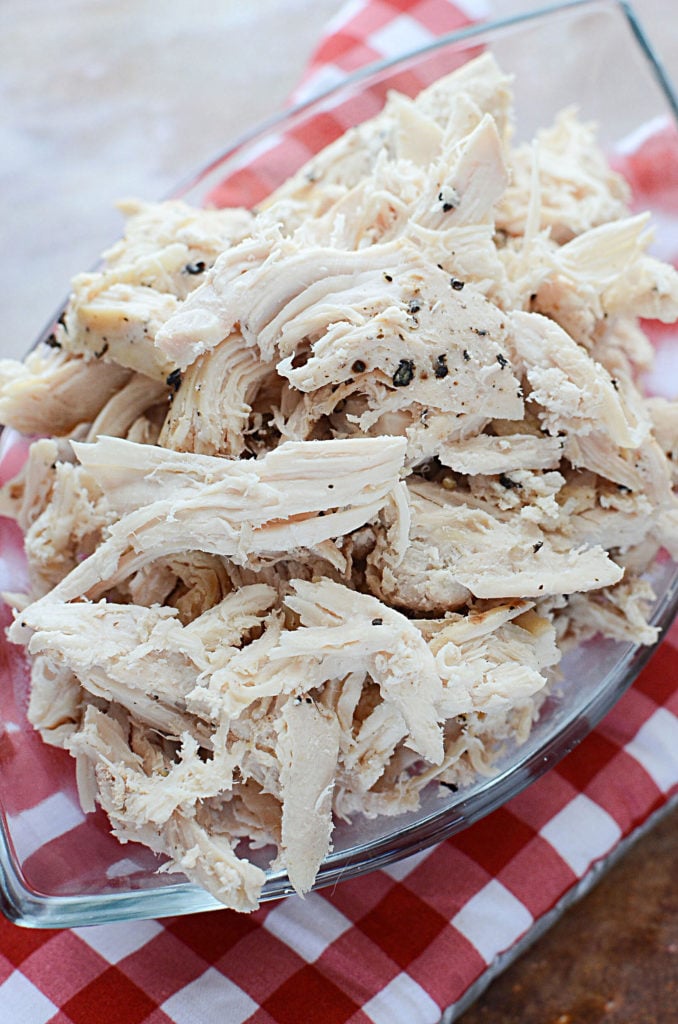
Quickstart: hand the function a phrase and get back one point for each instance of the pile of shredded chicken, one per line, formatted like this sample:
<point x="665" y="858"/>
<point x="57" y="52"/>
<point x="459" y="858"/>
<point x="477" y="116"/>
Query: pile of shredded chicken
<point x="321" y="492"/>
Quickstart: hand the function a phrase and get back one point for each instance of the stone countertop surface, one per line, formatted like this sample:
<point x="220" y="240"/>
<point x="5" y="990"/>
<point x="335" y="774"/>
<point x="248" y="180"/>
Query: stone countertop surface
<point x="106" y="99"/>
<point x="109" y="98"/>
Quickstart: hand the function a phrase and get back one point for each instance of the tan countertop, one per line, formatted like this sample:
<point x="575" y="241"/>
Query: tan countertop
<point x="104" y="99"/>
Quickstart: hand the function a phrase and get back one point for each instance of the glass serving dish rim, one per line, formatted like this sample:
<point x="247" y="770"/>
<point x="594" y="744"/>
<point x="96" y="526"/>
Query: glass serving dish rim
<point x="28" y="907"/>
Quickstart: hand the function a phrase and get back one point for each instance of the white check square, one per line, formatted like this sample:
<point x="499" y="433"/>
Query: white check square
<point x="211" y="997"/>
<point x="402" y="868"/>
<point x="655" y="747"/>
<point x="493" y="920"/>
<point x="48" y="820"/>
<point x="307" y="926"/>
<point x="22" y="1002"/>
<point x="581" y="833"/>
<point x="399" y="36"/>
<point x="402" y="1001"/>
<point x="116" y="941"/>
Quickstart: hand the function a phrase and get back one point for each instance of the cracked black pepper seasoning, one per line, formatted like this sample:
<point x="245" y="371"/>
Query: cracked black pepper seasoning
<point x="404" y="374"/>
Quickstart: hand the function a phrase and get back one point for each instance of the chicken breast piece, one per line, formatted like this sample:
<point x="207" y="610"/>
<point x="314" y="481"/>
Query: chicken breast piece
<point x="454" y="545"/>
<point x="51" y="392"/>
<point x="228" y="507"/>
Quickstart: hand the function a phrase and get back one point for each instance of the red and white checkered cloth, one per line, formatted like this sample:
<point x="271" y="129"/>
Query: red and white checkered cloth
<point x="400" y="945"/>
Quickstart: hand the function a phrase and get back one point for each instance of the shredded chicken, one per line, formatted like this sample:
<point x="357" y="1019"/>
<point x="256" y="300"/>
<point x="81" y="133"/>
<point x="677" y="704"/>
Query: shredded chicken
<point x="314" y="497"/>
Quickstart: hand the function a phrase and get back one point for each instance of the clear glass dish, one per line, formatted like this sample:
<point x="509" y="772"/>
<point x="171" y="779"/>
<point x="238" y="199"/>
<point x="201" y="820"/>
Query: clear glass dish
<point x="60" y="868"/>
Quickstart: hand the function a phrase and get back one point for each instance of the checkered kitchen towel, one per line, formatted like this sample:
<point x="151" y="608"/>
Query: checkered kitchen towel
<point x="400" y="945"/>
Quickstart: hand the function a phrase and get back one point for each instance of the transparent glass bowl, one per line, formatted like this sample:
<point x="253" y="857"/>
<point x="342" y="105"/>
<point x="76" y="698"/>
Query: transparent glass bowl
<point x="62" y="868"/>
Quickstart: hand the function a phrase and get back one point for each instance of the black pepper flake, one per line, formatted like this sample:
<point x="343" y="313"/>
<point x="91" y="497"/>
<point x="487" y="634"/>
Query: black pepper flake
<point x="331" y="486"/>
<point x="502" y="360"/>
<point x="440" y="367"/>
<point x="404" y="374"/>
<point x="538" y="546"/>
<point x="62" y="320"/>
<point x="174" y="380"/>
<point x="623" y="489"/>
<point x="359" y="366"/>
<point x="377" y="622"/>
<point x="447" y="205"/>
<point x="387" y="277"/>
<point x="451" y="786"/>
<point x="413" y="307"/>
<point x="52" y="342"/>
<point x="196" y="268"/>
<point x="480" y="331"/>
<point x="102" y="351"/>
<point x="457" y="285"/>
<point x="615" y="383"/>
<point x="466" y="355"/>
<point x="508" y="483"/>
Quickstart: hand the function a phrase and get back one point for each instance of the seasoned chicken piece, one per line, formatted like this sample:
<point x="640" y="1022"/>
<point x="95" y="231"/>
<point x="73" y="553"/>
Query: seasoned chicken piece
<point x="619" y="612"/>
<point x="25" y="495"/>
<point x="350" y="630"/>
<point x="235" y="508"/>
<point x="495" y="667"/>
<point x="51" y="392"/>
<point x="411" y="129"/>
<point x="114" y="651"/>
<point x="664" y="416"/>
<point x="68" y="529"/>
<point x="381" y="319"/>
<point x="488" y="454"/>
<point x="576" y="394"/>
<point x="367" y="754"/>
<point x="117" y="322"/>
<point x="466" y="183"/>
<point x="307" y="749"/>
<point x="644" y="469"/>
<point x="455" y="546"/>
<point x="115" y="312"/>
<point x="55" y="702"/>
<point x="143" y="658"/>
<point x="342" y="633"/>
<point x="212" y="401"/>
<point x="102" y="749"/>
<point x="192" y="238"/>
<point x="577" y="188"/>
<point x="604" y="273"/>
<point x="210" y="861"/>
<point x="125" y="408"/>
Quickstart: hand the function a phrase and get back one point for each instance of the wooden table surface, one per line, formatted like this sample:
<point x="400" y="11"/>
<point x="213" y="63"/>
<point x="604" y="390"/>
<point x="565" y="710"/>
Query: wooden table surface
<point x="611" y="959"/>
